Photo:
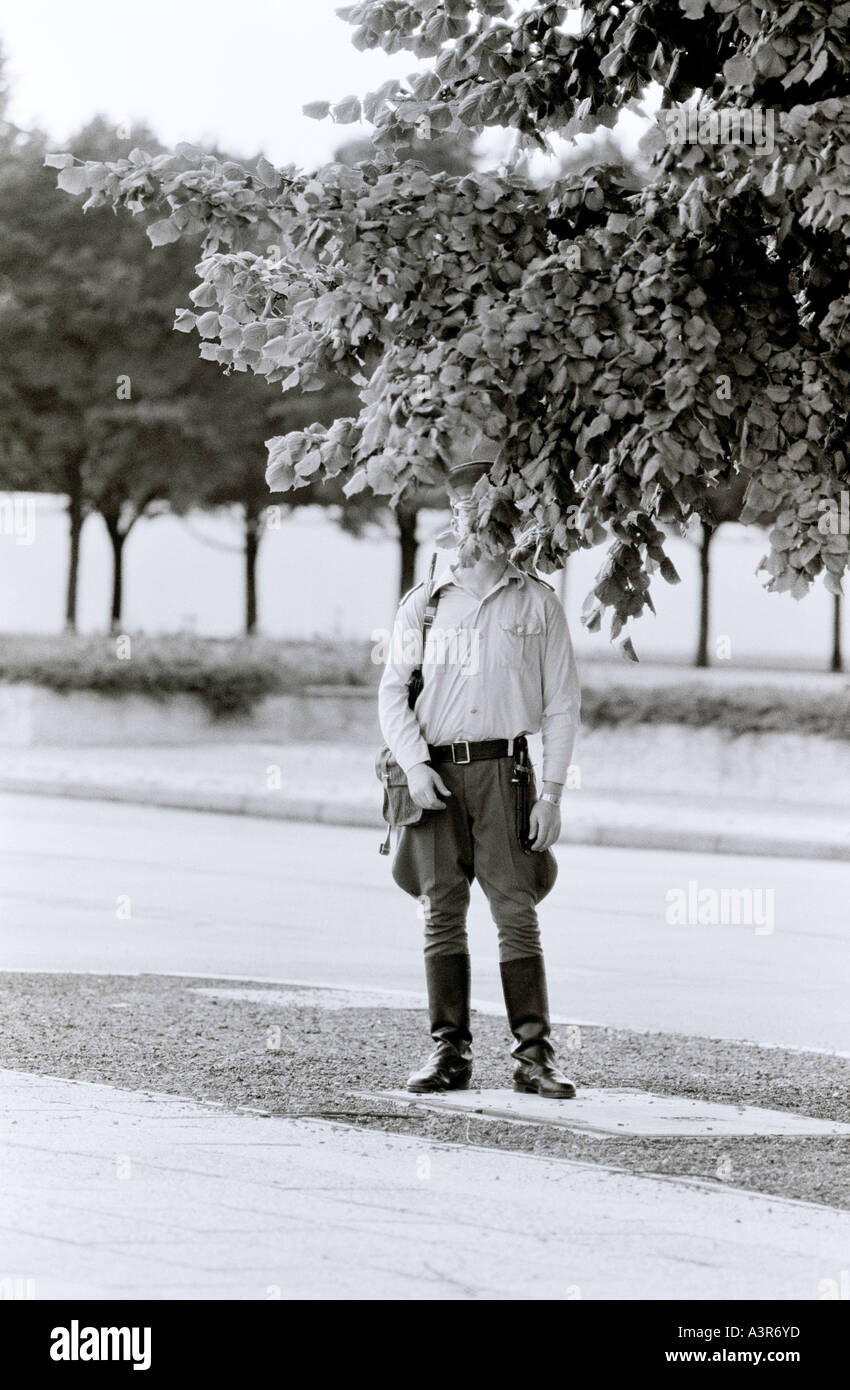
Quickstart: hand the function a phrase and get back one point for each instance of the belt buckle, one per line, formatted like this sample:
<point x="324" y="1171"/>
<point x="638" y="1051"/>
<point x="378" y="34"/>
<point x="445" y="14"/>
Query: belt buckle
<point x="461" y="743"/>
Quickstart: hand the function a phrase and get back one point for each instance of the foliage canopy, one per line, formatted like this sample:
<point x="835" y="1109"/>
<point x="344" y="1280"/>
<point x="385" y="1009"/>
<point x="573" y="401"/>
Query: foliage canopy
<point x="635" y="348"/>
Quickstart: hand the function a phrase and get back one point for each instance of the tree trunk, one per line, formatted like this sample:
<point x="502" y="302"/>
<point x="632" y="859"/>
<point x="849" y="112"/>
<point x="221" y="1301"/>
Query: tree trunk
<point x="704" y="593"/>
<point x="837" y="660"/>
<point x="116" y="540"/>
<point x="252" y="549"/>
<point x="75" y="527"/>
<point x="406" y="518"/>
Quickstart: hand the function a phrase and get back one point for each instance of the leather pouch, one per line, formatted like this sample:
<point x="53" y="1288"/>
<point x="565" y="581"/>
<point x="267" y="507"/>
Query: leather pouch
<point x="399" y="808"/>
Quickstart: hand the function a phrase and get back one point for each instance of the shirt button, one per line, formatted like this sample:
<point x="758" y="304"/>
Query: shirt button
<point x="474" y="709"/>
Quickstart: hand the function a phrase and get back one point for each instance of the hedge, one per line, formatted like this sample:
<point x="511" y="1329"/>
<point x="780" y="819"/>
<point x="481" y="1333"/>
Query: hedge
<point x="232" y="674"/>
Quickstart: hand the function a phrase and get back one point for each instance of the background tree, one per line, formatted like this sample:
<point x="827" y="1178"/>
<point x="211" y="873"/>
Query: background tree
<point x="725" y="504"/>
<point x="100" y="399"/>
<point x="836" y="658"/>
<point x="85" y="317"/>
<point x="242" y="412"/>
<point x="634" y="349"/>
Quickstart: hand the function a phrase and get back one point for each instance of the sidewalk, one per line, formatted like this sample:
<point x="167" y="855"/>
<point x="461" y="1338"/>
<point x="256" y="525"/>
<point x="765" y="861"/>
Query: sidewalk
<point x="336" y="784"/>
<point x="113" y="1193"/>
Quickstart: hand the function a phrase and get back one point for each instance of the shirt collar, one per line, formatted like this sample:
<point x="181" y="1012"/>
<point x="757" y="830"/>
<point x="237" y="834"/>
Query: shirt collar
<point x="446" y="575"/>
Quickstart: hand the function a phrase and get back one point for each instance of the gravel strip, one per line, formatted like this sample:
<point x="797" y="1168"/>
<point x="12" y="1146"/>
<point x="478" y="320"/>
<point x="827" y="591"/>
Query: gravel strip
<point x="154" y="1032"/>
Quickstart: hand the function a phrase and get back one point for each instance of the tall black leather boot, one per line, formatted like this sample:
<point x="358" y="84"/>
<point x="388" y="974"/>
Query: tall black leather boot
<point x="450" y="1065"/>
<point x="527" y="1002"/>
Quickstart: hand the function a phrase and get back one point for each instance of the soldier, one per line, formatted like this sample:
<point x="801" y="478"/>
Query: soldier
<point x="457" y="748"/>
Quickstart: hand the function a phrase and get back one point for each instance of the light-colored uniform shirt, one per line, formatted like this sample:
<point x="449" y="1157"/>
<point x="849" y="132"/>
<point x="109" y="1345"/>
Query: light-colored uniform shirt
<point x="510" y="670"/>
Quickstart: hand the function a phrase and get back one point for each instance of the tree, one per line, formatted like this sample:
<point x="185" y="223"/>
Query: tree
<point x="89" y="357"/>
<point x="836" y="659"/>
<point x="726" y="504"/>
<point x="99" y="398"/>
<point x="634" y="349"/>
<point x="126" y="473"/>
<point x="242" y="412"/>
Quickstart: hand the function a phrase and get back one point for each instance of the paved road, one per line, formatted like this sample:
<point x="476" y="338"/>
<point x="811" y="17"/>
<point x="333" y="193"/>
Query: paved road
<point x="222" y="895"/>
<point x="113" y="1194"/>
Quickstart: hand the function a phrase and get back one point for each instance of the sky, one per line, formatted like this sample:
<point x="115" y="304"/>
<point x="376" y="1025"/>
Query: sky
<point x="202" y="71"/>
<point x="197" y="70"/>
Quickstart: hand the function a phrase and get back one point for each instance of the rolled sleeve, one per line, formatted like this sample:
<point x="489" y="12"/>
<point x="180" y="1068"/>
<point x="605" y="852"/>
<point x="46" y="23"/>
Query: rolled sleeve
<point x="561" y="695"/>
<point x="399" y="724"/>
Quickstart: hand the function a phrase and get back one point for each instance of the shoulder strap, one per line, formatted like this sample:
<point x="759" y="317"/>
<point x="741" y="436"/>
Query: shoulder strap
<point x="539" y="580"/>
<point x="415" y="684"/>
<point x="430" y="602"/>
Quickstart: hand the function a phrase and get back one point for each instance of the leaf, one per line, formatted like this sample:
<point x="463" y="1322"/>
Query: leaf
<point x="627" y="649"/>
<point x="769" y="62"/>
<point x="280" y="475"/>
<point x="162" y="232"/>
<point x="207" y="325"/>
<point x="254" y="335"/>
<point x="346" y="111"/>
<point x="739" y="71"/>
<point x="593" y="621"/>
<point x="356" y="483"/>
<point x="800" y="587"/>
<point x="758" y="499"/>
<point x="267" y="173"/>
<point x="819" y="68"/>
<point x="73" y="179"/>
<point x="748" y="21"/>
<point x="277" y="351"/>
<point x="316" y="110"/>
<point x="308" y="465"/>
<point x="598" y="426"/>
<point x="58" y="161"/>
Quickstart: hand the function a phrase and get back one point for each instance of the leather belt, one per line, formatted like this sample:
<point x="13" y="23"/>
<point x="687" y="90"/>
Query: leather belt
<point x="465" y="752"/>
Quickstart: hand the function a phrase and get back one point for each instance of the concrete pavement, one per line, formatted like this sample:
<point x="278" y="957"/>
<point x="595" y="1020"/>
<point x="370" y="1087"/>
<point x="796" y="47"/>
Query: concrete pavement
<point x="619" y="1111"/>
<point x="335" y="784"/>
<point x="115" y="1194"/>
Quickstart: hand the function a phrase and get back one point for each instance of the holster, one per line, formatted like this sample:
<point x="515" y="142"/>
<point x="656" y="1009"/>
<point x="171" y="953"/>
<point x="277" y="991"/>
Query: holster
<point x="399" y="808"/>
<point x="522" y="780"/>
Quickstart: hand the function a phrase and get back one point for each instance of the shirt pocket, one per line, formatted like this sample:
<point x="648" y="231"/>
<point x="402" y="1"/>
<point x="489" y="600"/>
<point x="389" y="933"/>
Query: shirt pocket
<point x="520" y="644"/>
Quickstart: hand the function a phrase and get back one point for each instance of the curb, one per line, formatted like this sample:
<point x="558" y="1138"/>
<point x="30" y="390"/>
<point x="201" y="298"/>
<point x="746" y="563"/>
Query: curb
<point x="270" y="806"/>
<point x="704" y="841"/>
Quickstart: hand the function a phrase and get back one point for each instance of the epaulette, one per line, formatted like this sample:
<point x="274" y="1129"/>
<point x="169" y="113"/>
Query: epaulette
<point x="406" y="596"/>
<point x="539" y="580"/>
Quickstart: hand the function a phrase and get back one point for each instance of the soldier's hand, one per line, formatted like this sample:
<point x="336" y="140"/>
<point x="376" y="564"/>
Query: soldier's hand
<point x="544" y="825"/>
<point x="425" y="782"/>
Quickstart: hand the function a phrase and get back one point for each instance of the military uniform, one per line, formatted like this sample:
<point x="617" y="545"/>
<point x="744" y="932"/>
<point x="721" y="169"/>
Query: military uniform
<point x="519" y="678"/>
<point x="524" y="680"/>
